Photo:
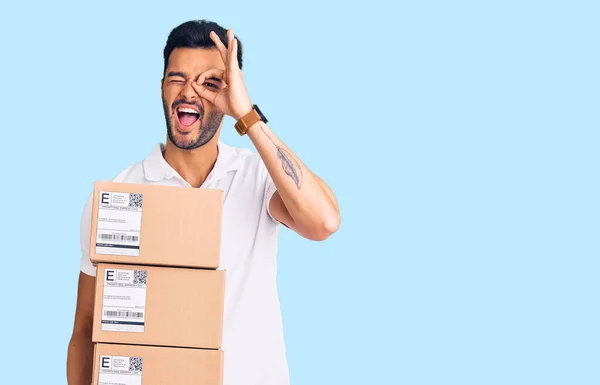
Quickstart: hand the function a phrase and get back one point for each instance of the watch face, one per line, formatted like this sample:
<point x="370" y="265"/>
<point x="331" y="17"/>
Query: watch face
<point x="262" y="117"/>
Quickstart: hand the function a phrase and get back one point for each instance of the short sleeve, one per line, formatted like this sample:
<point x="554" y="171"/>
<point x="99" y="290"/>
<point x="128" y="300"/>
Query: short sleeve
<point x="270" y="190"/>
<point x="86" y="265"/>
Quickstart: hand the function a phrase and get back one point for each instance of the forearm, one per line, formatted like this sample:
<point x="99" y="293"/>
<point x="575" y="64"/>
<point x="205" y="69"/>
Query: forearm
<point x="309" y="201"/>
<point x="80" y="358"/>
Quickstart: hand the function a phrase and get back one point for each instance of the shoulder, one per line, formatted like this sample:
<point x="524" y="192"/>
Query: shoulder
<point x="250" y="159"/>
<point x="252" y="183"/>
<point x="247" y="162"/>
<point x="134" y="173"/>
<point x="237" y="154"/>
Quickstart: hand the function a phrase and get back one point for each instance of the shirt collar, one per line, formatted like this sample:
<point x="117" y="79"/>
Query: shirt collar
<point x="157" y="169"/>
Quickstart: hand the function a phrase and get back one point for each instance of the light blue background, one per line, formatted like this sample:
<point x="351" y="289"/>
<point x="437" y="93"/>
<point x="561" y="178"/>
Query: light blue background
<point x="461" y="139"/>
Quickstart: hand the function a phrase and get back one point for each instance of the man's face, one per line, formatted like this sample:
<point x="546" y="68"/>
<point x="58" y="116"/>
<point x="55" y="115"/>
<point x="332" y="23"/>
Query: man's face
<point x="191" y="121"/>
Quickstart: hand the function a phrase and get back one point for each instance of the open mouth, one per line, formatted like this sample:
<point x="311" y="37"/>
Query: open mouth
<point x="187" y="116"/>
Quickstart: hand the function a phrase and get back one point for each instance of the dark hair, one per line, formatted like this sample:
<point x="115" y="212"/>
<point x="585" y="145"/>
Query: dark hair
<point x="196" y="34"/>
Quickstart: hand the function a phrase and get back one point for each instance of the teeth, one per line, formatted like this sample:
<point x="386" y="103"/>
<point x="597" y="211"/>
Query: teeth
<point x="188" y="110"/>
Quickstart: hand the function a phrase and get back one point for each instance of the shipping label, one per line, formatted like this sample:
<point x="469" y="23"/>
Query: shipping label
<point x="119" y="223"/>
<point x="119" y="370"/>
<point x="124" y="300"/>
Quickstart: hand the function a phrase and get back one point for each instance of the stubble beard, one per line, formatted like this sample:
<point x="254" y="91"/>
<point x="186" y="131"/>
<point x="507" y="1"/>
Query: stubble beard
<point x="209" y="125"/>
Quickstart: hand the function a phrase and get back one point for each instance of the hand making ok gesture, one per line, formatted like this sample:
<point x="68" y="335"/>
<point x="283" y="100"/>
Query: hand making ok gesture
<point x="228" y="92"/>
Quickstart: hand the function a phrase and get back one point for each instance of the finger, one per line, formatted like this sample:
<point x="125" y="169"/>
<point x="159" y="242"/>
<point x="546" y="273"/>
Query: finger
<point x="234" y="55"/>
<point x="211" y="73"/>
<point x="210" y="83"/>
<point x="212" y="77"/>
<point x="204" y="93"/>
<point x="220" y="46"/>
<point x="230" y="40"/>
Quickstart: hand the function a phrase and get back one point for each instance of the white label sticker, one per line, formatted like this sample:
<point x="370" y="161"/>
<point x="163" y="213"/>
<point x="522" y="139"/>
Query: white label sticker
<point x="119" y="223"/>
<point x="124" y="300"/>
<point x="118" y="370"/>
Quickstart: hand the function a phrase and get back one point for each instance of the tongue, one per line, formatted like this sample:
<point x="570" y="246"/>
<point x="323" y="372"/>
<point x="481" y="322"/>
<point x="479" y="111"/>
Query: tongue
<point x="188" y="119"/>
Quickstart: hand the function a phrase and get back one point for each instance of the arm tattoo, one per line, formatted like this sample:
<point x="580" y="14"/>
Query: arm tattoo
<point x="288" y="163"/>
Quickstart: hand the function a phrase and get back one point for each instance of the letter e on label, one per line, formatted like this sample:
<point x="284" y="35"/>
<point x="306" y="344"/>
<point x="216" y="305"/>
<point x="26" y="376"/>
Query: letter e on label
<point x="105" y="362"/>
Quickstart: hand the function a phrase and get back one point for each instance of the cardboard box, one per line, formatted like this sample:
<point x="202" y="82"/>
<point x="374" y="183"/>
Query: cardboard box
<point x="156" y="225"/>
<point x="150" y="365"/>
<point x="156" y="305"/>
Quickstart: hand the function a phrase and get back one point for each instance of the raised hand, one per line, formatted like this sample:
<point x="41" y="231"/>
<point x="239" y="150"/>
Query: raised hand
<point x="225" y="88"/>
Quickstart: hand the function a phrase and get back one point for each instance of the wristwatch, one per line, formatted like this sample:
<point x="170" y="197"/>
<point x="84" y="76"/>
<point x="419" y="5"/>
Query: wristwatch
<point x="249" y="119"/>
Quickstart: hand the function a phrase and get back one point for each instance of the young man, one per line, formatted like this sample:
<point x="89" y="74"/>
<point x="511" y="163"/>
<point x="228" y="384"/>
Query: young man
<point x="202" y="82"/>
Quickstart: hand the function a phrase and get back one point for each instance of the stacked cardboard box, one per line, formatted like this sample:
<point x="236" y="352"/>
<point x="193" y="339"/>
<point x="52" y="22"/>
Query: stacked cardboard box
<point x="158" y="315"/>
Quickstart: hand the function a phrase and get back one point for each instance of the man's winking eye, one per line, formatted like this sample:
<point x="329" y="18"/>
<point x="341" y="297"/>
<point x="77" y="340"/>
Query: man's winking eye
<point x="176" y="77"/>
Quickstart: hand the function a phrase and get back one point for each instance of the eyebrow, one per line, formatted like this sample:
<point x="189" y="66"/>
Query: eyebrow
<point x="215" y="79"/>
<point x="176" y="73"/>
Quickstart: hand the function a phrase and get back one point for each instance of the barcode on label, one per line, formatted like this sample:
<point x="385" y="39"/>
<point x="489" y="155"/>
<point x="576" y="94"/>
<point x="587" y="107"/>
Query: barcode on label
<point x="123" y="314"/>
<point x="113" y="237"/>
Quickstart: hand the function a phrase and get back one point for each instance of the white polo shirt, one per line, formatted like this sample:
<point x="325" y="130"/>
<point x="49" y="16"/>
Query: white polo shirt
<point x="253" y="341"/>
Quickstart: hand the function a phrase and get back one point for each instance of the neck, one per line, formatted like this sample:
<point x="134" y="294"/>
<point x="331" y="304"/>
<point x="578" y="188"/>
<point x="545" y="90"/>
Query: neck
<point x="192" y="165"/>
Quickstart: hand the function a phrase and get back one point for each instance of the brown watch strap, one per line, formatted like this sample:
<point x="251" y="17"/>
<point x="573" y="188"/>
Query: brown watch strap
<point x="247" y="121"/>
